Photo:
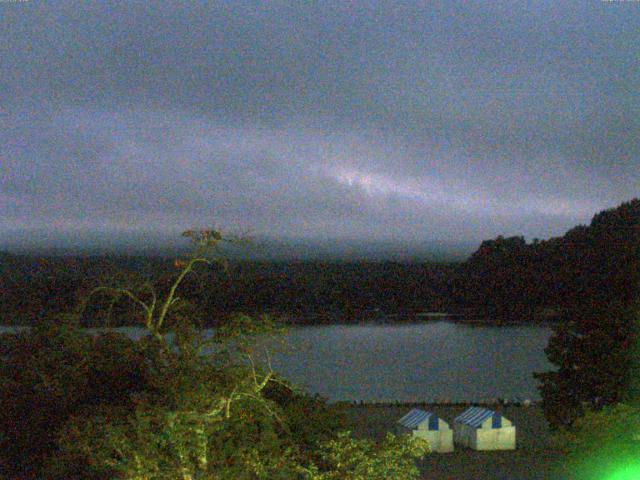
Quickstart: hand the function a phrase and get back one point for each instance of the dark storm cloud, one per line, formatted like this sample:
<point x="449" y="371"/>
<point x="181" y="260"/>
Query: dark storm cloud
<point x="452" y="120"/>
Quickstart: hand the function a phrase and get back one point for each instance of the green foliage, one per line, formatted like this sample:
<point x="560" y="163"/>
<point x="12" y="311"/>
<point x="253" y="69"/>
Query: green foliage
<point x="51" y="373"/>
<point x="309" y="420"/>
<point x="600" y="442"/>
<point x="346" y="458"/>
<point x="225" y="420"/>
<point x="594" y="351"/>
<point x="172" y="405"/>
<point x="595" y="346"/>
<point x="157" y="443"/>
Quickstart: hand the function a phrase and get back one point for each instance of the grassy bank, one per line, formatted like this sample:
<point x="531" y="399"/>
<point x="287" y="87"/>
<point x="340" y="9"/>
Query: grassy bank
<point x="533" y="459"/>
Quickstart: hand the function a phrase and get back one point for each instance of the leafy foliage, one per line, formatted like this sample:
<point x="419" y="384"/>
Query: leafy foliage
<point x="595" y="345"/>
<point x="346" y="458"/>
<point x="211" y="416"/>
<point x="52" y="372"/>
<point x="175" y="404"/>
<point x="310" y="421"/>
<point x="601" y="441"/>
<point x="594" y="354"/>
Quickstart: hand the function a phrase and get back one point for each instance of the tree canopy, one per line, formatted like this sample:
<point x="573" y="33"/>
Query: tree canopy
<point x="174" y="404"/>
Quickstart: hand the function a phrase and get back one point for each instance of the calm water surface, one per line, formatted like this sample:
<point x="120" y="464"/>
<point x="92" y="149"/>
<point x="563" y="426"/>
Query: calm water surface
<point x="412" y="362"/>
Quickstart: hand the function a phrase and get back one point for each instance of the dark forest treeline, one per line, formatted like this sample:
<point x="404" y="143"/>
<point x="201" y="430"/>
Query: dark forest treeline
<point x="331" y="289"/>
<point x="506" y="278"/>
<point x="598" y="264"/>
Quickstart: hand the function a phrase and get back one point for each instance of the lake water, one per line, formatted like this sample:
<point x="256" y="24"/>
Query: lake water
<point x="413" y="362"/>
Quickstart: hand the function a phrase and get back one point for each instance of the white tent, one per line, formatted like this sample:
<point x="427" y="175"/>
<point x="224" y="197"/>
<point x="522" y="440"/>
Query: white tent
<point x="428" y="426"/>
<point x="483" y="429"/>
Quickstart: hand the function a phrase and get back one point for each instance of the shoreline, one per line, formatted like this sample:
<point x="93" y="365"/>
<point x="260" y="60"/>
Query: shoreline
<point x="523" y="403"/>
<point x="327" y="319"/>
<point x="479" y="323"/>
<point x="534" y="458"/>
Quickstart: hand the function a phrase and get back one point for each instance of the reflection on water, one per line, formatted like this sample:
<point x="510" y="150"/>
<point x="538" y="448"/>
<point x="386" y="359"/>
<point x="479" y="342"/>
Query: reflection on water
<point x="412" y="362"/>
<point x="416" y="362"/>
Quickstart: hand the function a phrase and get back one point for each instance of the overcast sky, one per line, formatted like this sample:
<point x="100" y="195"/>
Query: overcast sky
<point x="331" y="119"/>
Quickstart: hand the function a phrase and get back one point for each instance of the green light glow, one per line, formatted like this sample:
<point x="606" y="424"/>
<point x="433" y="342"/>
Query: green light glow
<point x="628" y="472"/>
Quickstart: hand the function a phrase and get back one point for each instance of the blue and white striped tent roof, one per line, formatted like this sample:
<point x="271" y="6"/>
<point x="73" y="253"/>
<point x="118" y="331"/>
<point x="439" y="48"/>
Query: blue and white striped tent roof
<point x="475" y="416"/>
<point x="416" y="416"/>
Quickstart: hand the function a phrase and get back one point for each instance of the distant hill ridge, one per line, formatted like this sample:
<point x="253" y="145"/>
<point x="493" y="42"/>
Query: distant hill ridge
<point x="505" y="278"/>
<point x="262" y="248"/>
<point x="599" y="262"/>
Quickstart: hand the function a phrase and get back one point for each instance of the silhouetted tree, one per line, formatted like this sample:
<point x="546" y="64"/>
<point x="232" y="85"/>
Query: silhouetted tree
<point x="594" y="349"/>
